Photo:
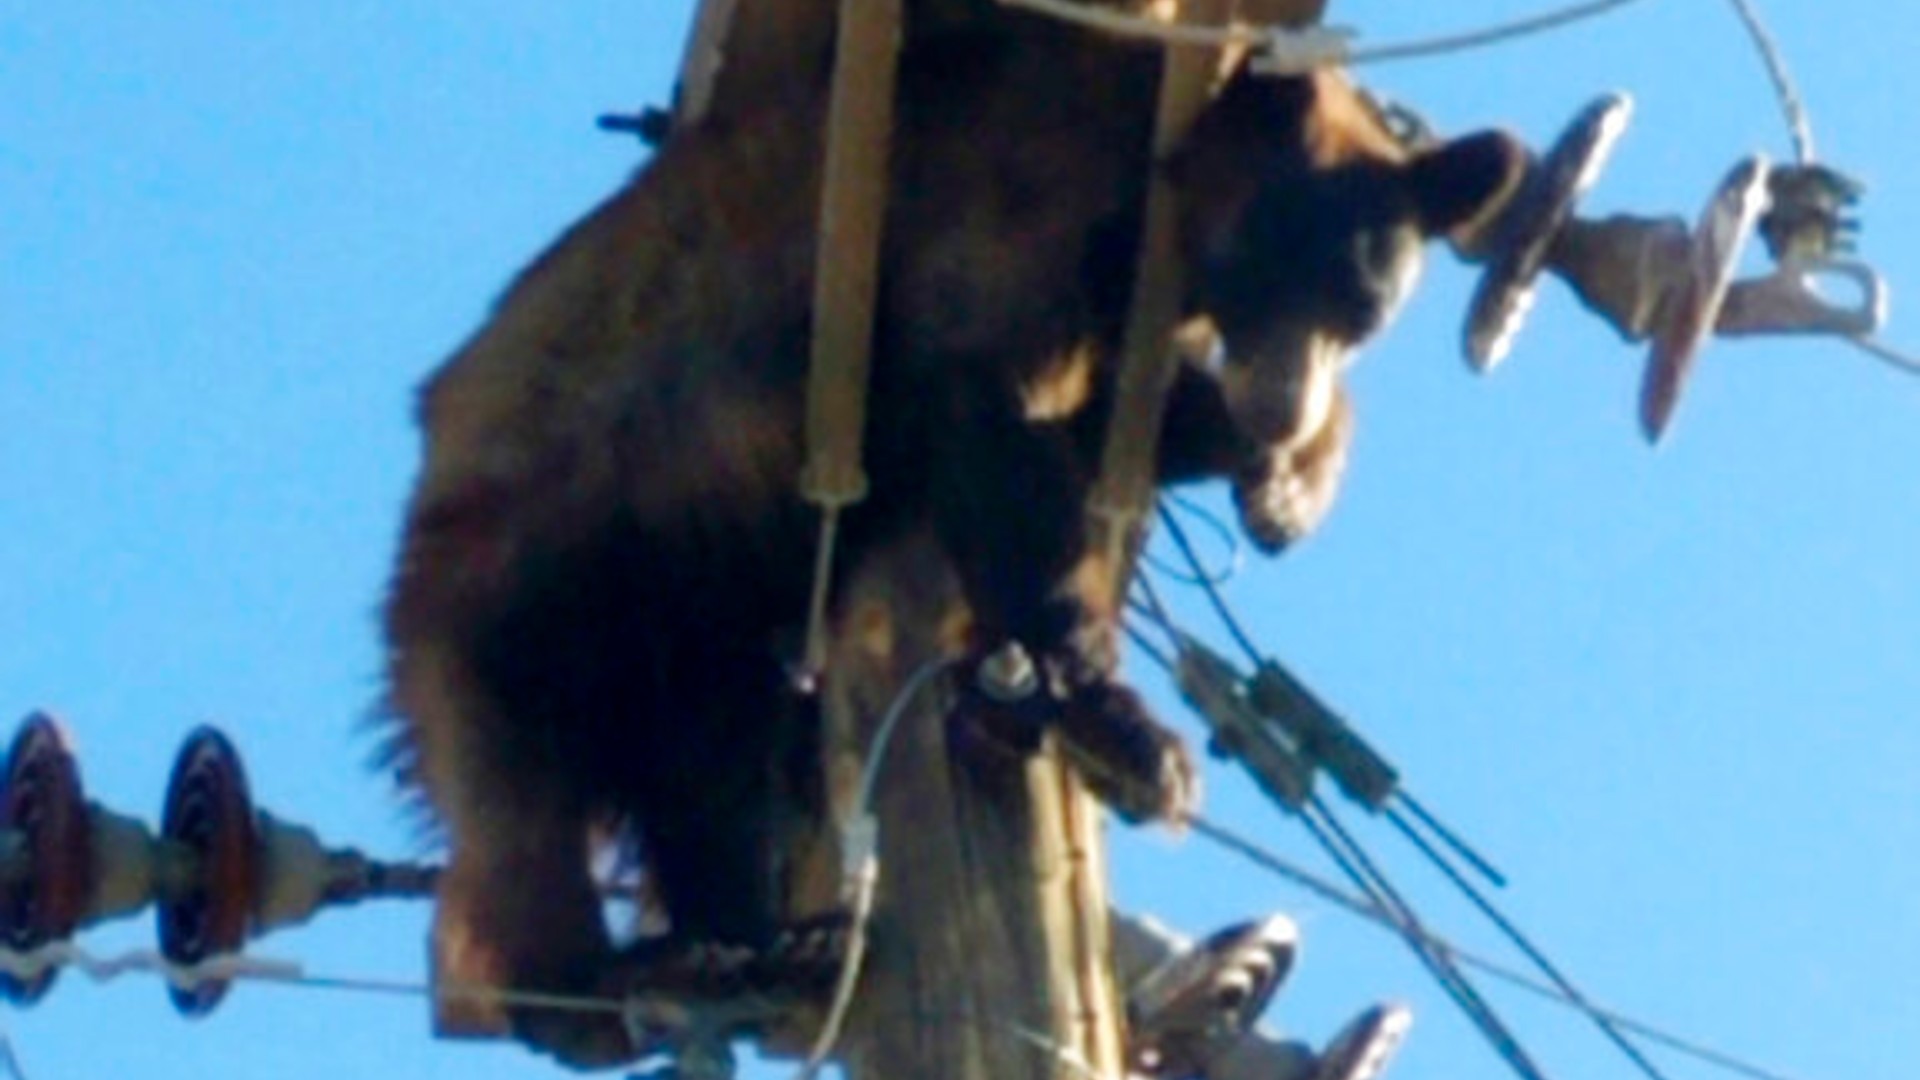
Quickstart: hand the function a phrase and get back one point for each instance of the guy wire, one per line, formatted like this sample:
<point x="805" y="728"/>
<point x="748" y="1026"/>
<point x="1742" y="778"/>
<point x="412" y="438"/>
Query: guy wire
<point x="1212" y="590"/>
<point x="1471" y="1002"/>
<point x="1353" y="860"/>
<point x="1522" y="942"/>
<point x="292" y="974"/>
<point x="1215" y="525"/>
<point x="1447" y="836"/>
<point x="1273" y="863"/>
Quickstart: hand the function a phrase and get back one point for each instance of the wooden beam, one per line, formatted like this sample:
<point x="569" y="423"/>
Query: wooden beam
<point x="1125" y="489"/>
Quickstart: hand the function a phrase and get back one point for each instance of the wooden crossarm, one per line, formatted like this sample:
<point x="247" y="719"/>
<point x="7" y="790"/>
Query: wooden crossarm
<point x="1125" y="489"/>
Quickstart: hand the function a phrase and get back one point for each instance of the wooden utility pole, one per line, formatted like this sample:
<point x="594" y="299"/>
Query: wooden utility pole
<point x="990" y="953"/>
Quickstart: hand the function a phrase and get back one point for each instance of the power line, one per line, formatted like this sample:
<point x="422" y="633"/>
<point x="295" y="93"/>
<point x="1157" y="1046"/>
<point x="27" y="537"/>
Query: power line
<point x="1353" y="860"/>
<point x="1302" y="50"/>
<point x="1792" y="108"/>
<point x="1272" y="862"/>
<point x="288" y="973"/>
<point x="1382" y="903"/>
<point x="1525" y="944"/>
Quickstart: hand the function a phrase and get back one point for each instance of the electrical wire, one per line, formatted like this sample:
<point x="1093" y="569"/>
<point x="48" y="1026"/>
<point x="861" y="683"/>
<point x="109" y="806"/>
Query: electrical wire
<point x="1370" y="910"/>
<point x="1217" y="600"/>
<point x="1448" y="837"/>
<point x="1145" y="644"/>
<point x="1359" y="868"/>
<point x="1382" y="902"/>
<point x="860" y="866"/>
<point x="1273" y="863"/>
<point x="1799" y="126"/>
<point x="1900" y="361"/>
<point x="1525" y="944"/>
<point x="1221" y="531"/>
<point x="10" y="1066"/>
<point x="293" y="974"/>
<point x="1212" y="591"/>
<point x="1800" y="130"/>
<point x="1366" y="875"/>
<point x="1315" y="47"/>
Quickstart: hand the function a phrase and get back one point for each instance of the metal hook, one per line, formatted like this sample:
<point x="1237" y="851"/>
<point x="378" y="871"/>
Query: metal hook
<point x="1788" y="301"/>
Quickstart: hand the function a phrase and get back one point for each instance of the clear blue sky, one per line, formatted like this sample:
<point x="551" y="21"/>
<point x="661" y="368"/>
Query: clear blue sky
<point x="1671" y="692"/>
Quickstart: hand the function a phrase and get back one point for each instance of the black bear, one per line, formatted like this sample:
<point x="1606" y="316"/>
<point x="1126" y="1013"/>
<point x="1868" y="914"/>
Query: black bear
<point x="606" y="550"/>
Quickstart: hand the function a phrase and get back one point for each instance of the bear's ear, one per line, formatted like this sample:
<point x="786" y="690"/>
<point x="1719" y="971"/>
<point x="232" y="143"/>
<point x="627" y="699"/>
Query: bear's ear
<point x="1459" y="184"/>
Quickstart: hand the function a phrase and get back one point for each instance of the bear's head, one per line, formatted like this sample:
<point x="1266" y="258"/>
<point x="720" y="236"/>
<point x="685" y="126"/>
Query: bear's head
<point x="1304" y="218"/>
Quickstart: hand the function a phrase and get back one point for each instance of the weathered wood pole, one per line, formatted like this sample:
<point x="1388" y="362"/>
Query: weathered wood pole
<point x="989" y="953"/>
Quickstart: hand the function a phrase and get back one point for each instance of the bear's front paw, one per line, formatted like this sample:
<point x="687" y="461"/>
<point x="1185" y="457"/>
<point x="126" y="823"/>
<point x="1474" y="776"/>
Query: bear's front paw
<point x="1136" y="766"/>
<point x="530" y="927"/>
<point x="1127" y="759"/>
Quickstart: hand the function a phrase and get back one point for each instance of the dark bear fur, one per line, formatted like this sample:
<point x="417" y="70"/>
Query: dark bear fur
<point x="606" y="548"/>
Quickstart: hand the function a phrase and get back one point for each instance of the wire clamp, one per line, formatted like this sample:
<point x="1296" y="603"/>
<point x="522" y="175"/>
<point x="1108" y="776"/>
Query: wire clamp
<point x="1286" y="51"/>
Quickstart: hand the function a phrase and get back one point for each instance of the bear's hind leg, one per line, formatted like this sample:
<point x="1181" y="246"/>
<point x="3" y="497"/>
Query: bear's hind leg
<point x="517" y="908"/>
<point x="722" y="801"/>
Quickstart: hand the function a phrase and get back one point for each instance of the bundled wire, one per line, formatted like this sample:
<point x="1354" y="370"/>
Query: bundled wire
<point x="1285" y="757"/>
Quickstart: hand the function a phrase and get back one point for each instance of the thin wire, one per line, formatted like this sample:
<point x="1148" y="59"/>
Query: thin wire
<point x="10" y="1061"/>
<point x="1525" y="945"/>
<point x="1373" y="910"/>
<point x="233" y="967"/>
<point x="1569" y="994"/>
<point x="1232" y="622"/>
<point x="1201" y="575"/>
<point x="1271" y="861"/>
<point x="1046" y="1044"/>
<point x="859" y="842"/>
<point x="1791" y="105"/>
<point x="1360" y="867"/>
<point x="1134" y="26"/>
<point x="1156" y="611"/>
<point x="1800" y="129"/>
<point x="1146" y="645"/>
<point x="292" y="974"/>
<point x="814" y="656"/>
<point x="1894" y="358"/>
<point x="1214" y="597"/>
<point x="883" y="736"/>
<point x="1451" y="839"/>
<point x="1493" y="35"/>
